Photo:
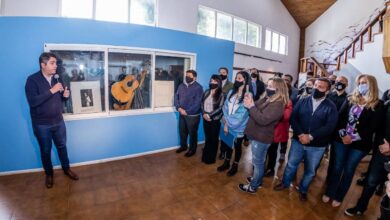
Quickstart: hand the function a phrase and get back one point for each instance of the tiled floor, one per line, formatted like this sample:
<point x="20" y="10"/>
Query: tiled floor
<point x="164" y="186"/>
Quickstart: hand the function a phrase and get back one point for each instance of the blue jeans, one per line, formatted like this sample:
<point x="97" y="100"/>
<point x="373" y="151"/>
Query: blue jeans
<point x="312" y="157"/>
<point x="345" y="161"/>
<point x="259" y="153"/>
<point x="46" y="134"/>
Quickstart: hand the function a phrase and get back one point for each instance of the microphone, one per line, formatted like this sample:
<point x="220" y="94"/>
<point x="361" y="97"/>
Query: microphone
<point x="56" y="76"/>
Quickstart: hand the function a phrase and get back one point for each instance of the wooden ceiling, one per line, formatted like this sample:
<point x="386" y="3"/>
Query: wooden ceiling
<point x="306" y="11"/>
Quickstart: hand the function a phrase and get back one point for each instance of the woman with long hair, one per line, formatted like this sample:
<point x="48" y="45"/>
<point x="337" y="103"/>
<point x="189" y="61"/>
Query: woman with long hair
<point x="264" y="114"/>
<point x="211" y="105"/>
<point x="358" y="119"/>
<point x="235" y="118"/>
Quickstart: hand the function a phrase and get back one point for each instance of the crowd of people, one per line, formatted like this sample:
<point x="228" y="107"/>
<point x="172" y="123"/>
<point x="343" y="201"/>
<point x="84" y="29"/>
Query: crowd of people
<point x="323" y="119"/>
<point x="321" y="116"/>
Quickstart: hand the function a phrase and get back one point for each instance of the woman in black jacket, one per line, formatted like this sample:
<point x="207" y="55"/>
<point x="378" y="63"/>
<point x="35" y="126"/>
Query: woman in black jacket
<point x="359" y="118"/>
<point x="211" y="105"/>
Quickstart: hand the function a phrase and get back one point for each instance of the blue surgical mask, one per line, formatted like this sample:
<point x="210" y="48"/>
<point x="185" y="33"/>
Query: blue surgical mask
<point x="363" y="89"/>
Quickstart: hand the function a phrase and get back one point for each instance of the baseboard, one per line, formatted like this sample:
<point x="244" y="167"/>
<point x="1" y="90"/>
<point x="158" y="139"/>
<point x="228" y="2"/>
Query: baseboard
<point x="94" y="161"/>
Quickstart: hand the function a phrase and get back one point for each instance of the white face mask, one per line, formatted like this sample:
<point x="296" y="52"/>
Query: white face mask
<point x="363" y="89"/>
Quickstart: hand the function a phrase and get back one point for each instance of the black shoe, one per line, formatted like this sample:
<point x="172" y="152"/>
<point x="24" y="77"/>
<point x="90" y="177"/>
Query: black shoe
<point x="269" y="173"/>
<point x="361" y="181"/>
<point x="189" y="153"/>
<point x="379" y="190"/>
<point x="71" y="174"/>
<point x="303" y="196"/>
<point x="232" y="170"/>
<point x="181" y="149"/>
<point x="246" y="188"/>
<point x="353" y="212"/>
<point x="49" y="181"/>
<point x="224" y="166"/>
<point x="280" y="187"/>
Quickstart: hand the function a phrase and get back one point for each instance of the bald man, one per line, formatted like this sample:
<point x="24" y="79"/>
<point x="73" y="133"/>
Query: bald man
<point x="338" y="96"/>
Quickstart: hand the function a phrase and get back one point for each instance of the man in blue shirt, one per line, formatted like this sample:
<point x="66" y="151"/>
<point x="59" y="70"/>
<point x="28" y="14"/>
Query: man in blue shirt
<point x="45" y="95"/>
<point x="187" y="102"/>
<point x="313" y="120"/>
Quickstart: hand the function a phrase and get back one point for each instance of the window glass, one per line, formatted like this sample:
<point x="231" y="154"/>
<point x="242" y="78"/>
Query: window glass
<point x="143" y="12"/>
<point x="268" y="39"/>
<point x="253" y="35"/>
<point x="282" y="44"/>
<point x="116" y="11"/>
<point x="83" y="73"/>
<point x="206" y="22"/>
<point x="129" y="76"/>
<point x="77" y="8"/>
<point x="275" y="42"/>
<point x="240" y="31"/>
<point x="224" y="26"/>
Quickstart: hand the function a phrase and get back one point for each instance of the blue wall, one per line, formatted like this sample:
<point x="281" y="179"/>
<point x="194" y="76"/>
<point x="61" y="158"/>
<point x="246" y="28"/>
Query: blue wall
<point x="21" y="42"/>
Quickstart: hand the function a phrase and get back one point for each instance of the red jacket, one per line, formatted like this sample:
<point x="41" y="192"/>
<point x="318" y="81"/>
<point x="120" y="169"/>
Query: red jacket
<point x="283" y="126"/>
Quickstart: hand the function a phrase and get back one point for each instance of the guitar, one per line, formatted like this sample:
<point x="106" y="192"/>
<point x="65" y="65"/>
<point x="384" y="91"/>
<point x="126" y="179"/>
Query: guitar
<point x="123" y="91"/>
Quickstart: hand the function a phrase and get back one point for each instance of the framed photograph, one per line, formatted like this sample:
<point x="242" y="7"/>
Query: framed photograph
<point x="86" y="97"/>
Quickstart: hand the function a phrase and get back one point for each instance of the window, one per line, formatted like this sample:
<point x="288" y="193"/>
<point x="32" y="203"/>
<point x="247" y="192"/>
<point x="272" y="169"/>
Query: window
<point x="206" y="22"/>
<point x="253" y="35"/>
<point x="77" y="8"/>
<point x="224" y="26"/>
<point x="240" y="32"/>
<point x="133" y="11"/>
<point x="275" y="42"/>
<point x="82" y="72"/>
<point x="129" y="78"/>
<point x="217" y="24"/>
<point x="118" y="81"/>
<point x="169" y="74"/>
<point x="107" y="10"/>
<point x="268" y="35"/>
<point x="143" y="12"/>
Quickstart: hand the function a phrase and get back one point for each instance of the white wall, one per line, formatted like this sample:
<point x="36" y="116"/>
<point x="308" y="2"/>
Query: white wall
<point x="334" y="29"/>
<point x="182" y="15"/>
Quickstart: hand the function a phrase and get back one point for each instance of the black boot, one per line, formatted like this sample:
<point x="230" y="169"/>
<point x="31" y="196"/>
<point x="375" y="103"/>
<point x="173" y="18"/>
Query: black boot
<point x="233" y="170"/>
<point x="224" y="166"/>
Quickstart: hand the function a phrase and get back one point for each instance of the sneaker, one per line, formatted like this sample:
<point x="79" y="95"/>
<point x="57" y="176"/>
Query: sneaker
<point x="325" y="198"/>
<point x="353" y="212"/>
<point x="249" y="180"/>
<point x="246" y="188"/>
<point x="335" y="204"/>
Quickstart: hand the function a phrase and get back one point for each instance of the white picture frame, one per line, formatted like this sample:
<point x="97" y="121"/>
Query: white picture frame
<point x="86" y="97"/>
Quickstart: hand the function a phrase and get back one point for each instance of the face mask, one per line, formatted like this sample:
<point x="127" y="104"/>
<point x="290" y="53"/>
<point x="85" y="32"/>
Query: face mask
<point x="339" y="86"/>
<point x="270" y="92"/>
<point x="189" y="80"/>
<point x="363" y="89"/>
<point x="254" y="75"/>
<point x="213" y="86"/>
<point x="238" y="84"/>
<point x="223" y="77"/>
<point x="309" y="90"/>
<point x="317" y="94"/>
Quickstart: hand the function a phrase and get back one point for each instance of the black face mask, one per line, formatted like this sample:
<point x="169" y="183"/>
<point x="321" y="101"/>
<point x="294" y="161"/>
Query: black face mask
<point x="339" y="86"/>
<point x="317" y="94"/>
<point x="254" y="75"/>
<point x="238" y="84"/>
<point x="189" y="80"/>
<point x="270" y="92"/>
<point x="223" y="77"/>
<point x="213" y="86"/>
<point x="309" y="90"/>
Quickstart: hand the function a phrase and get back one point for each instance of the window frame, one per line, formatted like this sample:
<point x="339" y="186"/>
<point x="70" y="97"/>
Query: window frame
<point x="109" y="48"/>
<point x="260" y="27"/>
<point x="279" y="34"/>
<point x="155" y="23"/>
